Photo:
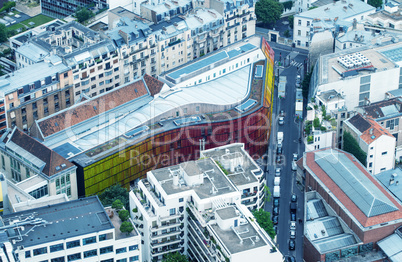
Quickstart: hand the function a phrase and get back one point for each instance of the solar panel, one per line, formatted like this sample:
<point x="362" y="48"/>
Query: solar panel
<point x="354" y="183"/>
<point x="335" y="243"/>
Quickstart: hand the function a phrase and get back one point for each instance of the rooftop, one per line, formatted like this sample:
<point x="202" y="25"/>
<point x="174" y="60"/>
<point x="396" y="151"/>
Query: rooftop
<point x="58" y="222"/>
<point x="392" y="247"/>
<point x="326" y="232"/>
<point x="327" y="96"/>
<point x="226" y="212"/>
<point x="351" y="184"/>
<point x="25" y="76"/>
<point x="339" y="10"/>
<point x="392" y="180"/>
<point x="211" y="180"/>
<point x="332" y="71"/>
<point x="43" y="158"/>
<point x="116" y="221"/>
<point x="384" y="109"/>
<point x="237" y="162"/>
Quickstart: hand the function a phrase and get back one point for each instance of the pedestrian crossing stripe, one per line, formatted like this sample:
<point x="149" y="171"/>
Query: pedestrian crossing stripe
<point x="296" y="64"/>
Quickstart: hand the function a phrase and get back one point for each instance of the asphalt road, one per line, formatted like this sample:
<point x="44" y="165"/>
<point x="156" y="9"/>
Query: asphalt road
<point x="292" y="130"/>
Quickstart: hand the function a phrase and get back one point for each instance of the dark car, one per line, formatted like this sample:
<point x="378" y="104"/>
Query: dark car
<point x="275" y="229"/>
<point x="279" y="150"/>
<point x="276" y="202"/>
<point x="293" y="198"/>
<point x="275" y="211"/>
<point x="278" y="159"/>
<point x="275" y="220"/>
<point x="292" y="217"/>
<point x="292" y="244"/>
<point x="291" y="259"/>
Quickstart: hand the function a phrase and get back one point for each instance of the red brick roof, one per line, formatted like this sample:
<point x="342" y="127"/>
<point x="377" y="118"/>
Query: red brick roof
<point x="51" y="158"/>
<point x="98" y="105"/>
<point x="345" y="200"/>
<point x="376" y="132"/>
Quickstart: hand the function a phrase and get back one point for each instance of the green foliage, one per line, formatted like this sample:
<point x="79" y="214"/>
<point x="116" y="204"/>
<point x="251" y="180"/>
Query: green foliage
<point x="287" y="5"/>
<point x="310" y="139"/>
<point x="174" y="257"/>
<point x="221" y="167"/>
<point x="7" y="6"/>
<point x="113" y="193"/>
<point x="306" y="84"/>
<point x="375" y="3"/>
<point x="291" y="18"/>
<point x="324" y="111"/>
<point x="83" y="14"/>
<point x="267" y="193"/>
<point x="352" y="146"/>
<point x="135" y="210"/>
<point x="126" y="227"/>
<point x="316" y="123"/>
<point x="286" y="33"/>
<point x="117" y="204"/>
<point x="264" y="220"/>
<point x="268" y="11"/>
<point x="313" y="7"/>
<point x="3" y="33"/>
<point x="323" y="128"/>
<point x="124" y="214"/>
<point x="333" y="122"/>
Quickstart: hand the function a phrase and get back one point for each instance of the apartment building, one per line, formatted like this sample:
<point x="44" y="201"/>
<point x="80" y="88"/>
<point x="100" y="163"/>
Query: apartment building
<point x="354" y="196"/>
<point x="36" y="169"/>
<point x="243" y="172"/>
<point x="194" y="208"/>
<point x="77" y="230"/>
<point x="130" y="118"/>
<point x="62" y="8"/>
<point x="35" y="92"/>
<point x="375" y="141"/>
<point x="325" y="18"/>
<point x="389" y="18"/>
<point x="387" y="114"/>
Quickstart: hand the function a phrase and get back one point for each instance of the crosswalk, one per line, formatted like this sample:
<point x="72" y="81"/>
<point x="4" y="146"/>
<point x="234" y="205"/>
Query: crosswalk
<point x="296" y="64"/>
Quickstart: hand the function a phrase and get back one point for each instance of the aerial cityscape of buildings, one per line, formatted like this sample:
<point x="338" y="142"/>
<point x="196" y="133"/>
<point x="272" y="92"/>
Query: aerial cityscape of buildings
<point x="231" y="144"/>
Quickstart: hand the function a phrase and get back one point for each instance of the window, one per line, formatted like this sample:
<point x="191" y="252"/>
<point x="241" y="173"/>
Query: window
<point x="122" y="260"/>
<point x="298" y="32"/>
<point x="27" y="254"/>
<point x="132" y="248"/>
<point x="105" y="250"/>
<point x="181" y="200"/>
<point x="89" y="240"/>
<point x="74" y="257"/>
<point x="134" y="258"/>
<point x="121" y="250"/>
<point x="56" y="248"/>
<point x="39" y="192"/>
<point x="40" y="251"/>
<point x="308" y="23"/>
<point x="90" y="253"/>
<point x="71" y="244"/>
<point x="58" y="259"/>
<point x="102" y="237"/>
<point x="299" y="22"/>
<point x="384" y="153"/>
<point x="172" y="211"/>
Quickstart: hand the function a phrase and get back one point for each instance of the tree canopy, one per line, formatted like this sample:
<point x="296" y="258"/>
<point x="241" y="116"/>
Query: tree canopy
<point x="375" y="3"/>
<point x="126" y="227"/>
<point x="124" y="214"/>
<point x="352" y="146"/>
<point x="174" y="257"/>
<point x="112" y="194"/>
<point x="268" y="11"/>
<point x="7" y="6"/>
<point x="83" y="14"/>
<point x="264" y="220"/>
<point x="3" y="33"/>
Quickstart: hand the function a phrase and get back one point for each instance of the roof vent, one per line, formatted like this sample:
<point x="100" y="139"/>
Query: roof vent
<point x="63" y="165"/>
<point x="58" y="168"/>
<point x="372" y="137"/>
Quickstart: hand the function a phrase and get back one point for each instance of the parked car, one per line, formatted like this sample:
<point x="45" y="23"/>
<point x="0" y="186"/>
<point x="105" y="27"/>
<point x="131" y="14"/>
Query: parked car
<point x="275" y="211"/>
<point x="276" y="230"/>
<point x="275" y="220"/>
<point x="291" y="259"/>
<point x="276" y="202"/>
<point x="279" y="150"/>
<point x="293" y="198"/>
<point x="278" y="171"/>
<point x="292" y="244"/>
<point x="281" y="120"/>
<point x="292" y="225"/>
<point x="282" y="113"/>
<point x="292" y="234"/>
<point x="278" y="159"/>
<point x="293" y="217"/>
<point x="295" y="156"/>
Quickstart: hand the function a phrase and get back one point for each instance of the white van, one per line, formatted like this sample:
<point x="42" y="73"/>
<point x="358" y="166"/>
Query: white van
<point x="277" y="181"/>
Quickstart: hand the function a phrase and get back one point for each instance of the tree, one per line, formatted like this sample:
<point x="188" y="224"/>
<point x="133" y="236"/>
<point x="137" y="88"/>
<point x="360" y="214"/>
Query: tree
<point x="287" y="5"/>
<point x="286" y="33"/>
<point x="268" y="11"/>
<point x="126" y="227"/>
<point x="3" y="33"/>
<point x="124" y="214"/>
<point x="375" y="3"/>
<point x="291" y="18"/>
<point x="352" y="146"/>
<point x="174" y="257"/>
<point x="7" y="6"/>
<point x="267" y="193"/>
<point x="265" y="222"/>
<point x="113" y="193"/>
<point x="117" y="204"/>
<point x="316" y="122"/>
<point x="83" y="14"/>
<point x="306" y="83"/>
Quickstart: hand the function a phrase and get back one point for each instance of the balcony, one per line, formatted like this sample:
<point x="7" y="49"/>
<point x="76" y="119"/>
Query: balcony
<point x="164" y="243"/>
<point x="196" y="250"/>
<point x="165" y="250"/>
<point x="248" y="194"/>
<point x="151" y="191"/>
<point x="165" y="226"/>
<point x="166" y="234"/>
<point x="144" y="204"/>
<point x="138" y="50"/>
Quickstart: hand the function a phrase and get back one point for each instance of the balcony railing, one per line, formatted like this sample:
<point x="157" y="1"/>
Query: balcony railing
<point x="166" y="234"/>
<point x="164" y="243"/>
<point x="166" y="226"/>
<point x="247" y="195"/>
